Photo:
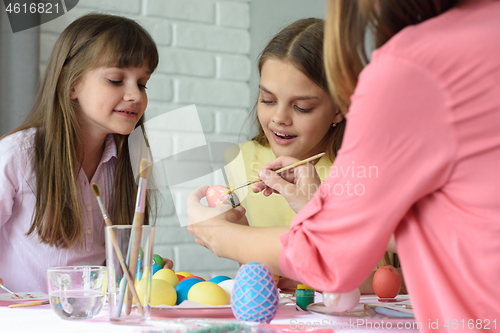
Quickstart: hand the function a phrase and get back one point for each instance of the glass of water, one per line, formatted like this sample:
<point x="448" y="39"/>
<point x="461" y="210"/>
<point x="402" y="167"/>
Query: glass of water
<point x="77" y="292"/>
<point x="126" y="305"/>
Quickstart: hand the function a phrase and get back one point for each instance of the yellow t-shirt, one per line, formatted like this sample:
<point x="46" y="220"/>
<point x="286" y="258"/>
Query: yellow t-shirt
<point x="272" y="211"/>
<point x="265" y="211"/>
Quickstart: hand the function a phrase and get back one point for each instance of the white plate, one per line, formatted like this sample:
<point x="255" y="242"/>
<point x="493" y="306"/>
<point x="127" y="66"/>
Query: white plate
<point x="361" y="316"/>
<point x="25" y="296"/>
<point x="192" y="311"/>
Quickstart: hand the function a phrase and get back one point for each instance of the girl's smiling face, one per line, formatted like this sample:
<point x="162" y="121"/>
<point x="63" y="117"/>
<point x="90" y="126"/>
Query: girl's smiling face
<point x="111" y="99"/>
<point x="294" y="112"/>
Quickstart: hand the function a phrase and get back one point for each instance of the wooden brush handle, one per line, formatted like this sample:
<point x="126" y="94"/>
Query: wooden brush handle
<point x="125" y="270"/>
<point x="134" y="252"/>
<point x="291" y="166"/>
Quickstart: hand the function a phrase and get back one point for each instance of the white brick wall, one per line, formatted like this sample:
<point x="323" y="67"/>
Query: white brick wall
<point x="233" y="14"/>
<point x="187" y="62"/>
<point x="186" y="10"/>
<point x="204" y="50"/>
<point x="212" y="38"/>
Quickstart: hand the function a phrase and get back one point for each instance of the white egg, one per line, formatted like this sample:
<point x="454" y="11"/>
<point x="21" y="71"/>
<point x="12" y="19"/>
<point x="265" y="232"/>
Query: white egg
<point x="341" y="302"/>
<point x="227" y="285"/>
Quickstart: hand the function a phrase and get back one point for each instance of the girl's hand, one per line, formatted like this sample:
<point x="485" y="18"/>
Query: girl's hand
<point x="168" y="263"/>
<point x="287" y="284"/>
<point x="297" y="185"/>
<point x="205" y="222"/>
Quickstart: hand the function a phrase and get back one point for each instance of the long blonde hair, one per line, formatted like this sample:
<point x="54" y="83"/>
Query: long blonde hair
<point x="92" y="40"/>
<point x="346" y="26"/>
<point x="301" y="44"/>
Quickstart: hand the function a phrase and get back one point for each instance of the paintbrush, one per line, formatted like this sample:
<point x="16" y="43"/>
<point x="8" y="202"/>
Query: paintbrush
<point x="312" y="158"/>
<point x="7" y="289"/>
<point x="140" y="204"/>
<point x="20" y="305"/>
<point x="118" y="252"/>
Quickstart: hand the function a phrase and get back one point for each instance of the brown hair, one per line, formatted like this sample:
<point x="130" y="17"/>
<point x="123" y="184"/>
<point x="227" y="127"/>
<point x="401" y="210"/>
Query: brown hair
<point x="301" y="44"/>
<point x="347" y="22"/>
<point x="91" y="41"/>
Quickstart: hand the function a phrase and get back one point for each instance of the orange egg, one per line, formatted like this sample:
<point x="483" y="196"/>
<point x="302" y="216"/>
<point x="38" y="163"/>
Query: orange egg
<point x="386" y="282"/>
<point x="217" y="196"/>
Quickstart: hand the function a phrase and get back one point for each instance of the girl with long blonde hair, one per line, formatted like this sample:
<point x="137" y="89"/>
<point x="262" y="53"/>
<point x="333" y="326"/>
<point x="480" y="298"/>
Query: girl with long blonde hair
<point x="93" y="95"/>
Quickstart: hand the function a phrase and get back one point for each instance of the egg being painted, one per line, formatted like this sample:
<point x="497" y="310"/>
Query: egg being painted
<point x="217" y="196"/>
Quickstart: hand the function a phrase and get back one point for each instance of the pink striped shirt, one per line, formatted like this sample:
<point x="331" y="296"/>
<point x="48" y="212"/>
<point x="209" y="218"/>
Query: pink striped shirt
<point x="23" y="259"/>
<point x="421" y="159"/>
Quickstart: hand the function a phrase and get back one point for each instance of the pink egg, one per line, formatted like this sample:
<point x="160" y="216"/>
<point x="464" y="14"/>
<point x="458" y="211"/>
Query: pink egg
<point x="217" y="196"/>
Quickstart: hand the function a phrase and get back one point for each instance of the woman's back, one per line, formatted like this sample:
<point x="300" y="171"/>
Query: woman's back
<point x="425" y="113"/>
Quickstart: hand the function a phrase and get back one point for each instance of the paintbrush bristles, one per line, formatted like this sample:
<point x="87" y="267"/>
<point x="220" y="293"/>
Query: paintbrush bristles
<point x="144" y="168"/>
<point x="95" y="188"/>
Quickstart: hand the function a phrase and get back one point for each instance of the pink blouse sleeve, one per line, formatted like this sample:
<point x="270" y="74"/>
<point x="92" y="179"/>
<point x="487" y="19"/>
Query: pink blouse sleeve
<point x="10" y="176"/>
<point x="398" y="147"/>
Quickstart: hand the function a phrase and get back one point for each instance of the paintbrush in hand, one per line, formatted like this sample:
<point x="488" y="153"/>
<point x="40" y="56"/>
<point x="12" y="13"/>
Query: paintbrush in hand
<point x="312" y="158"/>
<point x="7" y="289"/>
<point x="118" y="252"/>
<point x="140" y="205"/>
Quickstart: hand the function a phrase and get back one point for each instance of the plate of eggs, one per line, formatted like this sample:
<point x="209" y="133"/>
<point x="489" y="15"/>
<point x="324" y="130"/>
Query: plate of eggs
<point x="184" y="294"/>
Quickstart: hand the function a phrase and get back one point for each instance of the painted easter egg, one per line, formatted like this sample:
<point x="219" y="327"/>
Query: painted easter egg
<point x="386" y="282"/>
<point x="158" y="263"/>
<point x="162" y="292"/>
<point x="167" y="275"/>
<point x="219" y="279"/>
<point x="194" y="277"/>
<point x="255" y="296"/>
<point x="138" y="273"/>
<point x="217" y="196"/>
<point x="208" y="293"/>
<point x="339" y="303"/>
<point x="227" y="285"/>
<point x="183" y="288"/>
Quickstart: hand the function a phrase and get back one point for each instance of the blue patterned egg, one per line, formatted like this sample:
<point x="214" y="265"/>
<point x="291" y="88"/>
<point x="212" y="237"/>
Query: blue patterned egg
<point x="255" y="296"/>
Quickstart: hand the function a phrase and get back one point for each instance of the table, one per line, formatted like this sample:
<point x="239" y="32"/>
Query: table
<point x="43" y="319"/>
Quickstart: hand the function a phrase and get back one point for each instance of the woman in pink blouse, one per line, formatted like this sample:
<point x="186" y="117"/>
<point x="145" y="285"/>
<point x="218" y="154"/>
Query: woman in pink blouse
<point x="420" y="159"/>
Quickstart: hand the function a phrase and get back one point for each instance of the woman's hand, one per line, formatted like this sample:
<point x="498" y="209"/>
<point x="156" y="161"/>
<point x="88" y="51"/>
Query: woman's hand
<point x="297" y="185"/>
<point x="205" y="222"/>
